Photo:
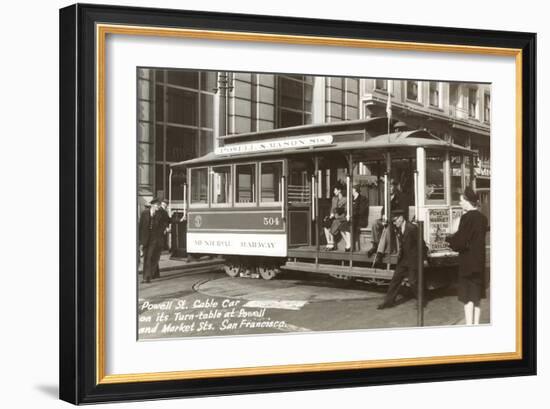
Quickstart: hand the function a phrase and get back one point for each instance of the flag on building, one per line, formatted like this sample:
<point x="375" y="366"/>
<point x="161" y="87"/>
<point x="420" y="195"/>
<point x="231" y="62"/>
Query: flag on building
<point x="388" y="107"/>
<point x="388" y="104"/>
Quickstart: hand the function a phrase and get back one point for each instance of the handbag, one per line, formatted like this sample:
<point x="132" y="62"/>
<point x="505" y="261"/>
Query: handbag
<point x="335" y="227"/>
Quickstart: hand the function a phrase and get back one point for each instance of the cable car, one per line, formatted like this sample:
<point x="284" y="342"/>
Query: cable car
<point x="261" y="199"/>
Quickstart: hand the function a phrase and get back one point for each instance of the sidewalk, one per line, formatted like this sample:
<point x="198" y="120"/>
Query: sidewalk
<point x="174" y="267"/>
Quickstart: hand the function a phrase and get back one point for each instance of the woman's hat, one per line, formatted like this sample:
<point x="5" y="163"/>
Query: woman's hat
<point x="470" y="195"/>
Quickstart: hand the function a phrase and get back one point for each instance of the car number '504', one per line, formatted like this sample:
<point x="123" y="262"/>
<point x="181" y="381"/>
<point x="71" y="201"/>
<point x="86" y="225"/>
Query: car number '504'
<point x="271" y="221"/>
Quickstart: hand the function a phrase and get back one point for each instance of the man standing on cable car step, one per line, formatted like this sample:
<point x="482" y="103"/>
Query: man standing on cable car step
<point x="381" y="233"/>
<point x="407" y="258"/>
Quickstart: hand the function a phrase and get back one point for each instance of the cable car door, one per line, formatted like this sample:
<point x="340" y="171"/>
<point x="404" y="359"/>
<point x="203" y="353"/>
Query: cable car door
<point x="299" y="201"/>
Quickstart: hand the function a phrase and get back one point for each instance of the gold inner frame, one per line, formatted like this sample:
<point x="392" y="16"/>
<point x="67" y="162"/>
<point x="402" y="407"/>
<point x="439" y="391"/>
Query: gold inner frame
<point x="102" y="30"/>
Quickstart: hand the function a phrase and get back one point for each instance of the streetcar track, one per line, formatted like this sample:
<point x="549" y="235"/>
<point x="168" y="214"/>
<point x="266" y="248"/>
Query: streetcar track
<point x="313" y="300"/>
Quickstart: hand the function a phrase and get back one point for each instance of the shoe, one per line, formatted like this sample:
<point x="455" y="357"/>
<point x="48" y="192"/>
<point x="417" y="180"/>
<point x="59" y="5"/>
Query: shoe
<point x="348" y="249"/>
<point x="384" y="305"/>
<point x="378" y="258"/>
<point x="372" y="250"/>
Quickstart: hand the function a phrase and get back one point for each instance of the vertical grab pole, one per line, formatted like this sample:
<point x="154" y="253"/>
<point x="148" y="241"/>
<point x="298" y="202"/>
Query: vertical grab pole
<point x="170" y="192"/>
<point x="184" y="202"/>
<point x="317" y="180"/>
<point x="170" y="207"/>
<point x="384" y="216"/>
<point x="420" y="290"/>
<point x="350" y="216"/>
<point x="347" y="197"/>
<point x="472" y="173"/>
<point x="388" y="209"/>
<point x="387" y="193"/>
<point x="313" y="198"/>
<point x="283" y="197"/>
<point x="416" y="209"/>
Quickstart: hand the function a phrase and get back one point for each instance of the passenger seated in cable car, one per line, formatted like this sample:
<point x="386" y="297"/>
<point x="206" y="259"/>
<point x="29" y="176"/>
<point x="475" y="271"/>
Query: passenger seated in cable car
<point x="382" y="233"/>
<point x="337" y="222"/>
<point x="360" y="212"/>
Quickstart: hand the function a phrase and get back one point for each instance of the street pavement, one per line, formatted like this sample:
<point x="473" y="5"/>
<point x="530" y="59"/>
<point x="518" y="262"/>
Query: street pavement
<point x="190" y="304"/>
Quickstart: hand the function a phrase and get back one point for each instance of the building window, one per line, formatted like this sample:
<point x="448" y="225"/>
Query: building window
<point x="184" y="119"/>
<point x="434" y="94"/>
<point x="245" y="184"/>
<point x="295" y="95"/>
<point x="188" y="79"/>
<point x="181" y="144"/>
<point x="270" y="182"/>
<point x="472" y="103"/>
<point x="221" y="185"/>
<point x="487" y="107"/>
<point x="381" y="85"/>
<point x="145" y="145"/>
<point x="413" y="90"/>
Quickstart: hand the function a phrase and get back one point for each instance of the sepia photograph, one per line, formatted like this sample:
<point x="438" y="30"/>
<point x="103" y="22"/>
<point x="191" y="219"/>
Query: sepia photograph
<point x="266" y="203"/>
<point x="277" y="203"/>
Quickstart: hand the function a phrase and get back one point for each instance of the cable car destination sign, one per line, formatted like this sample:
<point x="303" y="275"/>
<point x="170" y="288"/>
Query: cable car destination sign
<point x="276" y="144"/>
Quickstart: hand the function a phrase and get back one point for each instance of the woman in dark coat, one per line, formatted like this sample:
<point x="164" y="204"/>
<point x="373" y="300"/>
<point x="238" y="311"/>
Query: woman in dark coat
<point x="469" y="242"/>
<point x="338" y="219"/>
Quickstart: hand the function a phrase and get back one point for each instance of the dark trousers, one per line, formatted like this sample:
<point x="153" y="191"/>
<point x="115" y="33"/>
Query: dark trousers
<point x="376" y="229"/>
<point x="151" y="257"/>
<point x="383" y="237"/>
<point x="401" y="272"/>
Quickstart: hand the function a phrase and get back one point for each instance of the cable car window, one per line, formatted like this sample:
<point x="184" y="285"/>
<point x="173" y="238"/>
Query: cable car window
<point x="221" y="185"/>
<point x="435" y="179"/>
<point x="271" y="173"/>
<point x="402" y="171"/>
<point x="246" y="182"/>
<point x="367" y="174"/>
<point x="199" y="186"/>
<point x="299" y="181"/>
<point x="456" y="178"/>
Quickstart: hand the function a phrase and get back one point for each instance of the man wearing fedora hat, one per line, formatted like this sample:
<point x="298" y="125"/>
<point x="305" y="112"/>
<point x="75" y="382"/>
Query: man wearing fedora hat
<point x="407" y="258"/>
<point x="380" y="232"/>
<point x="150" y="239"/>
<point x="162" y="213"/>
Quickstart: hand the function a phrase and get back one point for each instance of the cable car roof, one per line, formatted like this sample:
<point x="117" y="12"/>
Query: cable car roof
<point x="395" y="140"/>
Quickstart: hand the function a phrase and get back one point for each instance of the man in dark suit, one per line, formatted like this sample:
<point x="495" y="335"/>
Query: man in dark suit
<point x="150" y="239"/>
<point x="380" y="233"/>
<point x="165" y="225"/>
<point x="407" y="258"/>
<point x="360" y="213"/>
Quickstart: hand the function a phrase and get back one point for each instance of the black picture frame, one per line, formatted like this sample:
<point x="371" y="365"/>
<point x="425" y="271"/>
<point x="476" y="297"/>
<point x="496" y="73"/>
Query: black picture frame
<point x="78" y="200"/>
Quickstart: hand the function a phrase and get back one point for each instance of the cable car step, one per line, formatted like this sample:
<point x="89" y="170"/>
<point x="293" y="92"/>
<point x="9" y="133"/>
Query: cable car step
<point x="363" y="272"/>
